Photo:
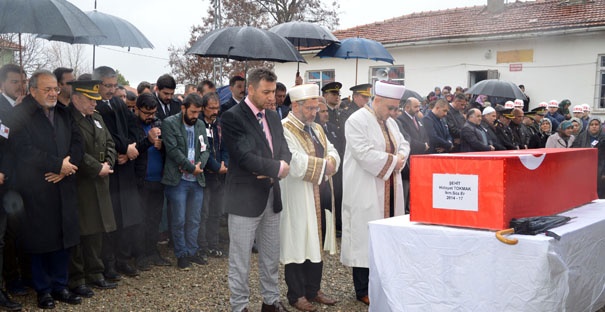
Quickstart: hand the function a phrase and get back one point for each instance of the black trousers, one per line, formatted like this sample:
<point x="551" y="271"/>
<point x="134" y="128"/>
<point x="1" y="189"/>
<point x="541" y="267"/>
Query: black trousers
<point x="49" y="271"/>
<point x="118" y="246"/>
<point x="361" y="279"/>
<point x="152" y="201"/>
<point x="303" y="280"/>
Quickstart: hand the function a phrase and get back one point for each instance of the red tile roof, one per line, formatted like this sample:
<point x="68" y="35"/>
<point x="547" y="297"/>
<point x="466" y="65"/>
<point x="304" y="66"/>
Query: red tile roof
<point x="8" y="45"/>
<point x="477" y="21"/>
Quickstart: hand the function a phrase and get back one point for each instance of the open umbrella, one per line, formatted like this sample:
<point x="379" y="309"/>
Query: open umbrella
<point x="411" y="94"/>
<point x="499" y="88"/>
<point x="245" y="43"/>
<point x="304" y="34"/>
<point x="51" y="17"/>
<point x="357" y="48"/>
<point x="118" y="32"/>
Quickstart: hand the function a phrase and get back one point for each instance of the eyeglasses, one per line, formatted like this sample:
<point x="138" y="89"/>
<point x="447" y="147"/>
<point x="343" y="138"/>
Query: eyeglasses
<point x="110" y="86"/>
<point x="147" y="113"/>
<point x="392" y="108"/>
<point x="49" y="89"/>
<point x="311" y="108"/>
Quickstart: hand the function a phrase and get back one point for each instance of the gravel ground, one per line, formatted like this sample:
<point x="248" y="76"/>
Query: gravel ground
<point x="202" y="288"/>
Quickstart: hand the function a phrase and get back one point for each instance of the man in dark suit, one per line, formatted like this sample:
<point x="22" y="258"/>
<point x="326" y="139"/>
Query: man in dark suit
<point x="64" y="76"/>
<point x="440" y="140"/>
<point x="258" y="157"/>
<point x="164" y="91"/>
<point x="280" y="96"/>
<point x="237" y="88"/>
<point x="49" y="149"/>
<point x="121" y="122"/>
<point x="12" y="81"/>
<point x="419" y="141"/>
<point x="455" y="119"/>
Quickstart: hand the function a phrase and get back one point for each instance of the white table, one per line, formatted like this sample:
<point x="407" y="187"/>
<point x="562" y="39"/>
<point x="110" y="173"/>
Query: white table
<point x="418" y="267"/>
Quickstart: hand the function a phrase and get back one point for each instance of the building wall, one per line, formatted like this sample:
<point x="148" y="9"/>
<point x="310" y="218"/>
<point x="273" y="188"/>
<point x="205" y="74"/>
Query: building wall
<point x="564" y="66"/>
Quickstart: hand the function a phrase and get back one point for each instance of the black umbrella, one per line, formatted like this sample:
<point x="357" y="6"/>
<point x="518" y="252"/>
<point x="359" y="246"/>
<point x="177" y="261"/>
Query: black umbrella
<point x="531" y="226"/>
<point x="118" y="32"/>
<point x="304" y="34"/>
<point x="411" y="94"/>
<point x="246" y="43"/>
<point x="50" y="17"/>
<point x="499" y="88"/>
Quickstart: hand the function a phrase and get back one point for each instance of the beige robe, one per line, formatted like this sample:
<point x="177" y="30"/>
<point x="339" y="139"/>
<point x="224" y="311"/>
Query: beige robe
<point x="367" y="167"/>
<point x="300" y="224"/>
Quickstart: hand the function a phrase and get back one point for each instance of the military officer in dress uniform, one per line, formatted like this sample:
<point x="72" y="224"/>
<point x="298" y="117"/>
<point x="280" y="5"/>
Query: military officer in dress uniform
<point x="331" y="93"/>
<point x="361" y="97"/>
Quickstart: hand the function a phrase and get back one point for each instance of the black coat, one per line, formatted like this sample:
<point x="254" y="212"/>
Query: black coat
<point x="227" y="105"/>
<point x="473" y="138"/>
<point x="249" y="158"/>
<point x="123" y="126"/>
<point x="436" y="130"/>
<point x="50" y="222"/>
<point x="174" y="108"/>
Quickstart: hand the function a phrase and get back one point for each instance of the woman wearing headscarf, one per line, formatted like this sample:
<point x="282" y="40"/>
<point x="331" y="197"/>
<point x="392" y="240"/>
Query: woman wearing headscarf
<point x="594" y="137"/>
<point x="562" y="138"/>
<point x="577" y="126"/>
<point x="545" y="131"/>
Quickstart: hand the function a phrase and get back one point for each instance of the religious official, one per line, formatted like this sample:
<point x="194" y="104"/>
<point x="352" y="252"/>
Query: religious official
<point x="375" y="154"/>
<point x="307" y="224"/>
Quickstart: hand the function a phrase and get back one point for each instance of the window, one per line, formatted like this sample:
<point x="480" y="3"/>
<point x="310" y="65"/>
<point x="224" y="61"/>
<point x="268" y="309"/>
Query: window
<point x="320" y="77"/>
<point x="601" y="84"/>
<point x="392" y="73"/>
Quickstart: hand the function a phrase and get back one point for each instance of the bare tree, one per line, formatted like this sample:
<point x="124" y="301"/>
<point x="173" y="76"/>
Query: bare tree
<point x="72" y="56"/>
<point x="32" y="51"/>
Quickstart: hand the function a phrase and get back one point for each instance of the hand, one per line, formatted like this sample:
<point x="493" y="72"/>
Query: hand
<point x="122" y="159"/>
<point x="457" y="141"/>
<point x="154" y="134"/>
<point x="439" y="149"/>
<point x="158" y="144"/>
<point x="491" y="147"/>
<point x="426" y="148"/>
<point x="53" y="177"/>
<point x="330" y="167"/>
<point x="298" y="81"/>
<point x="400" y="162"/>
<point x="286" y="169"/>
<point x="198" y="169"/>
<point x="132" y="151"/>
<point x="1" y="178"/>
<point x="19" y="99"/>
<point x="68" y="168"/>
<point x="105" y="170"/>
<point x="223" y="169"/>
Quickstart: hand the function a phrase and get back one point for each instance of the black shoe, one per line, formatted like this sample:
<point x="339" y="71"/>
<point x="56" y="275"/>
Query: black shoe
<point x="83" y="291"/>
<point x="111" y="274"/>
<point x="127" y="270"/>
<point x="66" y="296"/>
<point x="143" y="264"/>
<point x="157" y="260"/>
<point x="103" y="284"/>
<point x="46" y="301"/>
<point x="199" y="258"/>
<point x="16" y="288"/>
<point x="7" y="304"/>
<point x="183" y="263"/>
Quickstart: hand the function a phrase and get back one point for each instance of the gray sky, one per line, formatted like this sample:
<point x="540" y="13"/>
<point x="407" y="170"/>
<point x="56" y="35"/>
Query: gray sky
<point x="167" y="23"/>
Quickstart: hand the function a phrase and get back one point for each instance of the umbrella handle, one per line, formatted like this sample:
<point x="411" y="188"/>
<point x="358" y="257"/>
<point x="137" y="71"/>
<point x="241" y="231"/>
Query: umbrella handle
<point x="510" y="241"/>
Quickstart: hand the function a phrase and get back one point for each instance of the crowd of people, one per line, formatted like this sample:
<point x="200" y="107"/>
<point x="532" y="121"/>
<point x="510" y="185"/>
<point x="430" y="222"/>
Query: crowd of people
<point x="101" y="171"/>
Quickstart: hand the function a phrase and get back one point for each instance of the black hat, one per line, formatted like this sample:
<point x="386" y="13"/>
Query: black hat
<point x="539" y="111"/>
<point x="88" y="88"/>
<point x="500" y="109"/>
<point x="332" y="87"/>
<point x="363" y="89"/>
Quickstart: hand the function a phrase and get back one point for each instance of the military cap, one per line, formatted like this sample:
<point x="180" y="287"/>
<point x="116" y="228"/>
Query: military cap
<point x="502" y="110"/>
<point x="363" y="89"/>
<point x="332" y="87"/>
<point x="88" y="88"/>
<point x="539" y="111"/>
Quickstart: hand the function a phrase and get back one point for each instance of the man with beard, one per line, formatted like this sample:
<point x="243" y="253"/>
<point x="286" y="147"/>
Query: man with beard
<point x="307" y="223"/>
<point x="455" y="119"/>
<point x="237" y="88"/>
<point x="164" y="91"/>
<point x="49" y="149"/>
<point x="520" y="132"/>
<point x="64" y="77"/>
<point x="216" y="169"/>
<point x="184" y="137"/>
<point x="488" y="123"/>
<point x="12" y="81"/>
<point x="94" y="201"/>
<point x="121" y="122"/>
<point x="148" y="167"/>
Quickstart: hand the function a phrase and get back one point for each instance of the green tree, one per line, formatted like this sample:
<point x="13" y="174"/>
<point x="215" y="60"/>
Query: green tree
<point x="121" y="79"/>
<point x="257" y="13"/>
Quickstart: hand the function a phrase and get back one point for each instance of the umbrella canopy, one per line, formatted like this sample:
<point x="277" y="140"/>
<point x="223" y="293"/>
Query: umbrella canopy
<point x="357" y="48"/>
<point x="304" y="34"/>
<point x="117" y="32"/>
<point x="246" y="43"/>
<point x="411" y="94"/>
<point x="51" y="17"/>
<point x="499" y="88"/>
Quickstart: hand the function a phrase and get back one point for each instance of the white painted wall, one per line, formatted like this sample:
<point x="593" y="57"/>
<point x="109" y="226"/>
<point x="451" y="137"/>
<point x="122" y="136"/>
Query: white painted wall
<point x="564" y="66"/>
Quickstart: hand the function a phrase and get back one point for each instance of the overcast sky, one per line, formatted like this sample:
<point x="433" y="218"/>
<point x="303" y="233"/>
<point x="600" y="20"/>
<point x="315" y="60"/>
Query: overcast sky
<point x="167" y="23"/>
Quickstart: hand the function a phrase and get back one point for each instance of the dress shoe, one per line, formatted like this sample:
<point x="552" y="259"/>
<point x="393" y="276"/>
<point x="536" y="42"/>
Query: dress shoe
<point x="324" y="299"/>
<point x="7" y="304"/>
<point x="365" y="299"/>
<point x="275" y="307"/>
<point x="83" y="291"/>
<point x="302" y="304"/>
<point x="46" y="301"/>
<point x="103" y="284"/>
<point x="157" y="260"/>
<point x="143" y="264"/>
<point x="16" y="288"/>
<point x="111" y="274"/>
<point x="127" y="269"/>
<point x="66" y="296"/>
